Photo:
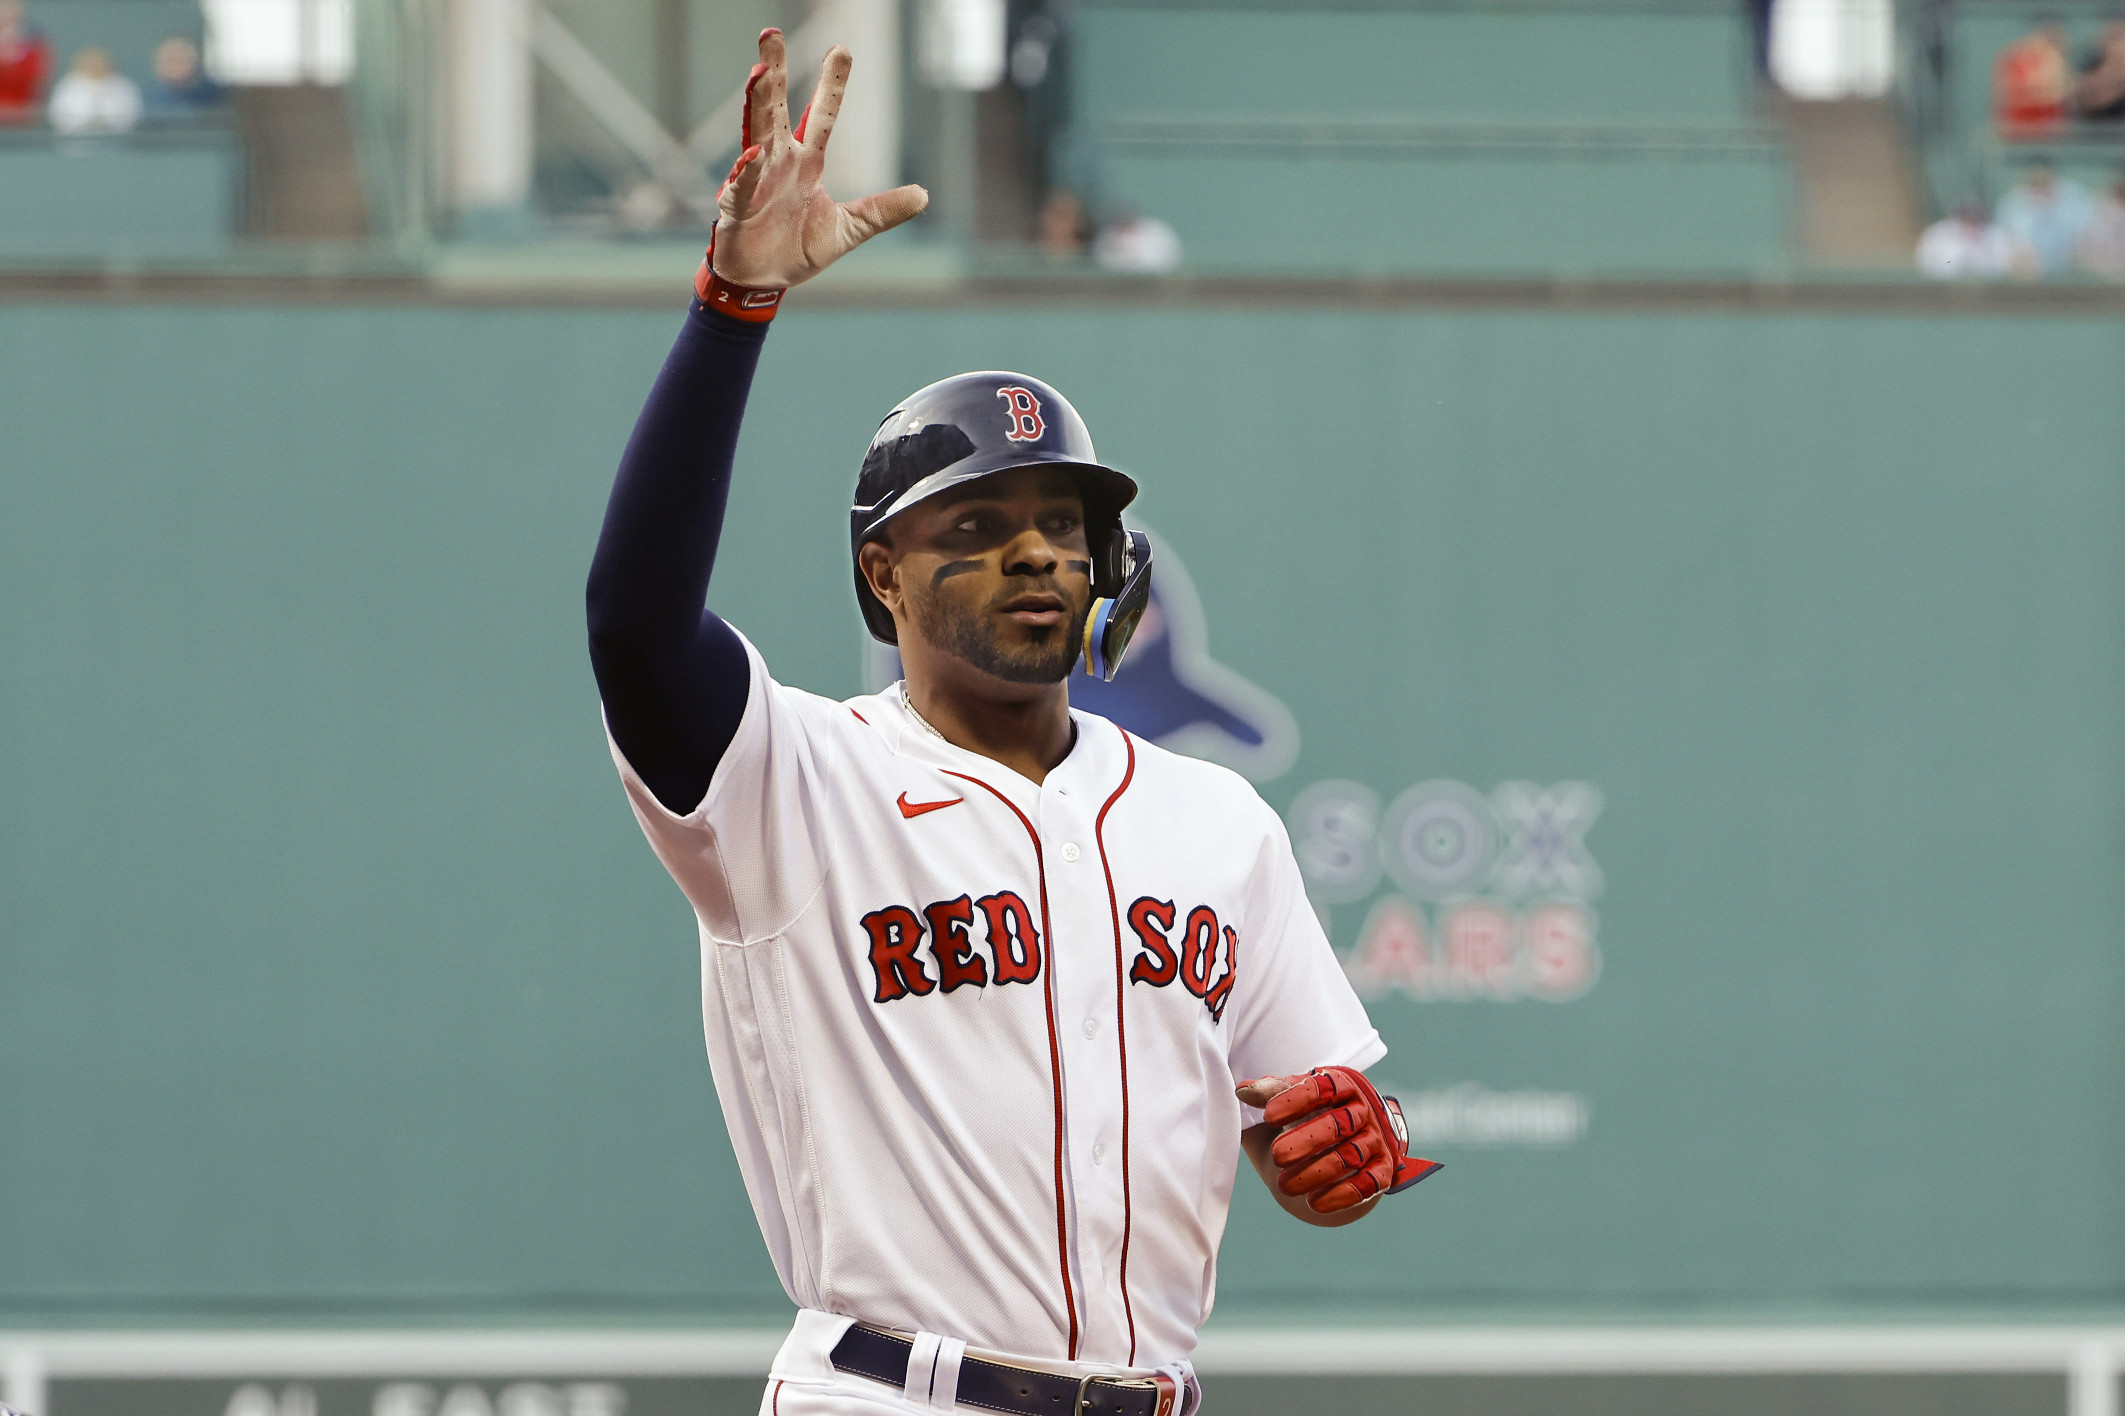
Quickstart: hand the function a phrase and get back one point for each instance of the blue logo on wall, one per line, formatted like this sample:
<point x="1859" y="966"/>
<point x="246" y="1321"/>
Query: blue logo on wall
<point x="1170" y="691"/>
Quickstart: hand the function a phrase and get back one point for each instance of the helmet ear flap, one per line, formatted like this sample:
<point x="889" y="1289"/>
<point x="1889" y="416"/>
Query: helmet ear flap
<point x="1114" y="616"/>
<point x="1110" y="550"/>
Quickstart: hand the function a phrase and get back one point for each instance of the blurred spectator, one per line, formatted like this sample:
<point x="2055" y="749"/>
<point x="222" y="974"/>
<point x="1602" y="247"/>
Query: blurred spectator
<point x="25" y="58"/>
<point x="1965" y="246"/>
<point x="2103" y="239"/>
<point x="2031" y="83"/>
<point x="1034" y="53"/>
<point x="181" y="88"/>
<point x="1760" y="42"/>
<point x="1062" y="226"/>
<point x="2100" y="95"/>
<point x="2045" y="214"/>
<point x="94" y="97"/>
<point x="1137" y="245"/>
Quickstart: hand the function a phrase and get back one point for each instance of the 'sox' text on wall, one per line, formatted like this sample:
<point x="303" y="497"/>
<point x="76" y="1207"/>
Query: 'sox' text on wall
<point x="1492" y="895"/>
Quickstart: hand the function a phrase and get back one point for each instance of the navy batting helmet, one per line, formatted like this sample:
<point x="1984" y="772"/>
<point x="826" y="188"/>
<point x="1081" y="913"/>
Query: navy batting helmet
<point x="970" y="426"/>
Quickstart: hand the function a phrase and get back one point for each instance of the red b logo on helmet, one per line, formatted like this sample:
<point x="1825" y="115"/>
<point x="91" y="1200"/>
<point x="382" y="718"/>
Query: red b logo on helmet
<point x="1025" y="414"/>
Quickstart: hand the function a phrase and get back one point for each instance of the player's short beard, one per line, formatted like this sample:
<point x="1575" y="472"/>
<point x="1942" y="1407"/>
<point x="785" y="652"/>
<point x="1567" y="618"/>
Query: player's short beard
<point x="971" y="634"/>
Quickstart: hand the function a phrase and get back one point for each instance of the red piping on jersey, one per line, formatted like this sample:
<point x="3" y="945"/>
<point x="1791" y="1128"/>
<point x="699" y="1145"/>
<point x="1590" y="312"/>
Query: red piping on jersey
<point x="776" y="1408"/>
<point x="1062" y="1223"/>
<point x="1121" y="1030"/>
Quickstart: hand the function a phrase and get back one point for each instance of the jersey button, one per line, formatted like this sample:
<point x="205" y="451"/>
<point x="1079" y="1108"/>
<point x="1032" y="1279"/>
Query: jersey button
<point x="1070" y="851"/>
<point x="1099" y="1154"/>
<point x="1091" y="1027"/>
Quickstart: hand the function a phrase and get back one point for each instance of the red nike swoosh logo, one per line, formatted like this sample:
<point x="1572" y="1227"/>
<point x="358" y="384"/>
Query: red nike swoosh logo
<point x="913" y="809"/>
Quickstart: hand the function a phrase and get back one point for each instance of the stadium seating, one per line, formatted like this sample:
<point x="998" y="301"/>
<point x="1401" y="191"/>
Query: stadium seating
<point x="1432" y="137"/>
<point x="149" y="194"/>
<point x="1968" y="159"/>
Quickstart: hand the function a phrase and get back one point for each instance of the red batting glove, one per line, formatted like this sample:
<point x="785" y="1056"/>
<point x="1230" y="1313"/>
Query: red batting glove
<point x="1340" y="1142"/>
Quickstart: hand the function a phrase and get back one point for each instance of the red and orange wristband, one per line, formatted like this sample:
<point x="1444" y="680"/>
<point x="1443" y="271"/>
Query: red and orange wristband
<point x="741" y="302"/>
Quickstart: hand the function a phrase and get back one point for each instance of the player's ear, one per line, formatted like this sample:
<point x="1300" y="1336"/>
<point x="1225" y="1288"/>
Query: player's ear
<point x="881" y="572"/>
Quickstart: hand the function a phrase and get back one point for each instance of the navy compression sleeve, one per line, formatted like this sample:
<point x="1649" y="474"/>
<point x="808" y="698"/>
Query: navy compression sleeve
<point x="673" y="676"/>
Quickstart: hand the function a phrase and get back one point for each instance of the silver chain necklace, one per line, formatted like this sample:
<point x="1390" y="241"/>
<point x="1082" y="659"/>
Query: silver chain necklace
<point x="909" y="704"/>
<point x="931" y="728"/>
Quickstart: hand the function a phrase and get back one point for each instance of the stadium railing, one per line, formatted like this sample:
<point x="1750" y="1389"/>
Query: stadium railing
<point x="158" y="191"/>
<point x="2087" y="1358"/>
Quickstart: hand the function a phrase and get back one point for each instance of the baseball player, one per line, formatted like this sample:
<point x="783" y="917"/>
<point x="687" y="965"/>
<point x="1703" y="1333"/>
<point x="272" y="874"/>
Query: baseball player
<point x="995" y="993"/>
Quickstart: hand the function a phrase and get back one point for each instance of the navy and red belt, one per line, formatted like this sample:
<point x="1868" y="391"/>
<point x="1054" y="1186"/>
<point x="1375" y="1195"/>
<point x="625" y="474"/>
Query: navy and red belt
<point x="996" y="1386"/>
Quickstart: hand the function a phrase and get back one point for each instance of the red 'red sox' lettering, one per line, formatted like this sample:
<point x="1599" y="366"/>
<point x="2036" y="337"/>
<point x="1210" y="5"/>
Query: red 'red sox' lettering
<point x="1151" y="919"/>
<point x="957" y="963"/>
<point x="1203" y="957"/>
<point x="897" y="932"/>
<point x="1214" y="1000"/>
<point x="1013" y="937"/>
<point x="1199" y="949"/>
<point x="1194" y="963"/>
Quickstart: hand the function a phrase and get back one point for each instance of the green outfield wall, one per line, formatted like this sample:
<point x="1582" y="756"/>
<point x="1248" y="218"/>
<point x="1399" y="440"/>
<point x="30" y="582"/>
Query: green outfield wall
<point x="1719" y="716"/>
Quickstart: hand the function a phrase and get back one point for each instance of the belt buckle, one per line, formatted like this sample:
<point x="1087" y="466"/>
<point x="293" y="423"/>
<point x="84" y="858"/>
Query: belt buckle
<point x="1084" y="1382"/>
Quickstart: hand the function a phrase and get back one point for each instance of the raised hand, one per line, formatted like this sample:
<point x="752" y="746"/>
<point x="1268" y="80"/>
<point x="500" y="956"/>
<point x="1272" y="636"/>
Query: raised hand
<point x="776" y="226"/>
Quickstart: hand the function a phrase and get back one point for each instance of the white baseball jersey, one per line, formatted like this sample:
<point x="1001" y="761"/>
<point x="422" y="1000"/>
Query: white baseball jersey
<point x="976" y="1038"/>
